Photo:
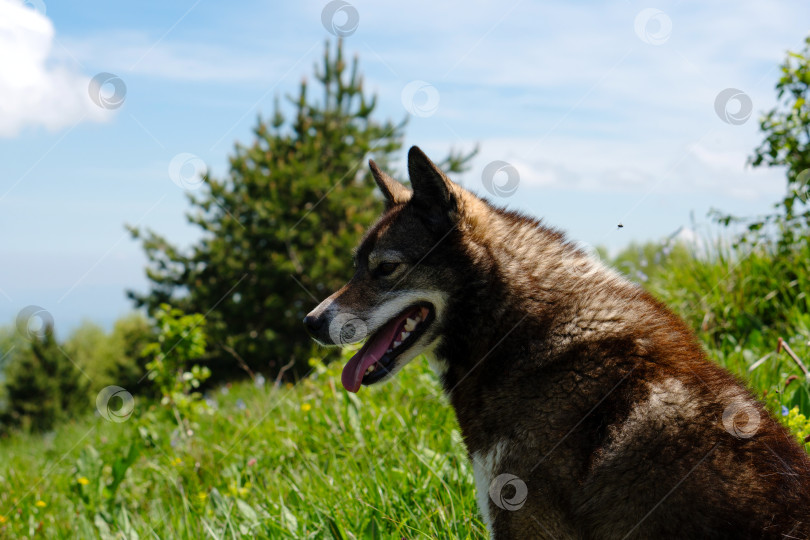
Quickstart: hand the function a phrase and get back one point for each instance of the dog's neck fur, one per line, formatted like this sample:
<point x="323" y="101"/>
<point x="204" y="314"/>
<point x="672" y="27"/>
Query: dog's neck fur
<point x="543" y="263"/>
<point x="546" y="275"/>
<point x="563" y="297"/>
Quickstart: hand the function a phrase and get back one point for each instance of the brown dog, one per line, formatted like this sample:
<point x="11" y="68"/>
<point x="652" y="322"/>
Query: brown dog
<point x="588" y="409"/>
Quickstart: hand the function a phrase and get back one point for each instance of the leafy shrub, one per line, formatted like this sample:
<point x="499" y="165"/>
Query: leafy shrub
<point x="180" y="340"/>
<point x="113" y="358"/>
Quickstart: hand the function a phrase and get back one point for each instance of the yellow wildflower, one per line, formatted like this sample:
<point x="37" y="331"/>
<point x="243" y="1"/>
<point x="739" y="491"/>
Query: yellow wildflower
<point x="83" y="481"/>
<point x="306" y="407"/>
<point x="40" y="503"/>
<point x="2" y="519"/>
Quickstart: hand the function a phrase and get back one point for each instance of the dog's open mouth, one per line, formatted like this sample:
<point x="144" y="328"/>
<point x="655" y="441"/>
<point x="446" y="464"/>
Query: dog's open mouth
<point x="379" y="355"/>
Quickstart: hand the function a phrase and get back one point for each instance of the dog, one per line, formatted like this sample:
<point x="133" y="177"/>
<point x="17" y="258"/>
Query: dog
<point x="587" y="408"/>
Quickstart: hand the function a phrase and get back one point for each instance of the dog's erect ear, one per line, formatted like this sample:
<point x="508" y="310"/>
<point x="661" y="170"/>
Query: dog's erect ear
<point x="394" y="192"/>
<point x="433" y="192"/>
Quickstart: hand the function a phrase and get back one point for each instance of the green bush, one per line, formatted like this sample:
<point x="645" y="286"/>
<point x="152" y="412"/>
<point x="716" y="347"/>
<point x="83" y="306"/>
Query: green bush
<point x="42" y="385"/>
<point x="179" y="342"/>
<point x="44" y="381"/>
<point x="115" y="358"/>
<point x="734" y="291"/>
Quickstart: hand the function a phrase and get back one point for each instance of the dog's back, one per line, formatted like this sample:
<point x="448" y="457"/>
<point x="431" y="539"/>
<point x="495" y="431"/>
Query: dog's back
<point x="604" y="405"/>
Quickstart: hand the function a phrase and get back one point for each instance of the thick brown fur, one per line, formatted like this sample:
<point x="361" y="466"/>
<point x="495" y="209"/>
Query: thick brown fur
<point x="576" y="382"/>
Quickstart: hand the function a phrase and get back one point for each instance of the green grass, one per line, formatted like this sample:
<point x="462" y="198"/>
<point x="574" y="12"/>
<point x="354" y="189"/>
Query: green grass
<point x="312" y="461"/>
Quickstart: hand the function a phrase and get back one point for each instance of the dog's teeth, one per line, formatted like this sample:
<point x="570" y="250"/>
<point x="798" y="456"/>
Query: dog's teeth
<point x="370" y="369"/>
<point x="389" y="350"/>
<point x="397" y="344"/>
<point x="404" y="335"/>
<point x="410" y="324"/>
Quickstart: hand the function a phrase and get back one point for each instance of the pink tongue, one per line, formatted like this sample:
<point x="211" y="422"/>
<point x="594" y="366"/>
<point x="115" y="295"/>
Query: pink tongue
<point x="372" y="351"/>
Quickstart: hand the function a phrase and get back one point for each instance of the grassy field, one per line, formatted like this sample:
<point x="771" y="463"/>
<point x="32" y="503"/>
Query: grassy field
<point x="309" y="461"/>
<point x="312" y="461"/>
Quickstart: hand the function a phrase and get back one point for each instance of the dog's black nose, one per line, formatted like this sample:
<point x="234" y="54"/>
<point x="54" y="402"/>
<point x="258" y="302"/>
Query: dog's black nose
<point x="312" y="323"/>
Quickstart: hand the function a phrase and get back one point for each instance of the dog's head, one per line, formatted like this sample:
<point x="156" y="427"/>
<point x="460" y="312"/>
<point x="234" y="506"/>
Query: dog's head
<point x="397" y="297"/>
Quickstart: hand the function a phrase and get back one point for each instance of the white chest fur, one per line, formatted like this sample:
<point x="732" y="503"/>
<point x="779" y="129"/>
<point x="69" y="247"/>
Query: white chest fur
<point x="485" y="469"/>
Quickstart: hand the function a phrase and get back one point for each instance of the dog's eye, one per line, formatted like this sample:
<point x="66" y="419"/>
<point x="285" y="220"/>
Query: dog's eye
<point x="386" y="268"/>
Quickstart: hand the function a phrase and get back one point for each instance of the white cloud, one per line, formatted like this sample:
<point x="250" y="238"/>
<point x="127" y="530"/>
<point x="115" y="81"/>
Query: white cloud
<point x="178" y="58"/>
<point x="719" y="160"/>
<point x="576" y="101"/>
<point x="594" y="165"/>
<point x="35" y="91"/>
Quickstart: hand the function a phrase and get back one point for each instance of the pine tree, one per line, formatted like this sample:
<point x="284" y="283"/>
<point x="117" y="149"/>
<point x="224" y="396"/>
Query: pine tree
<point x="279" y="230"/>
<point x="43" y="385"/>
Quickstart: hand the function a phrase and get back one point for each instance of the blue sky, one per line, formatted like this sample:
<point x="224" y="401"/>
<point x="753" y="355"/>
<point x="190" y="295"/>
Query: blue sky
<point x="606" y="110"/>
